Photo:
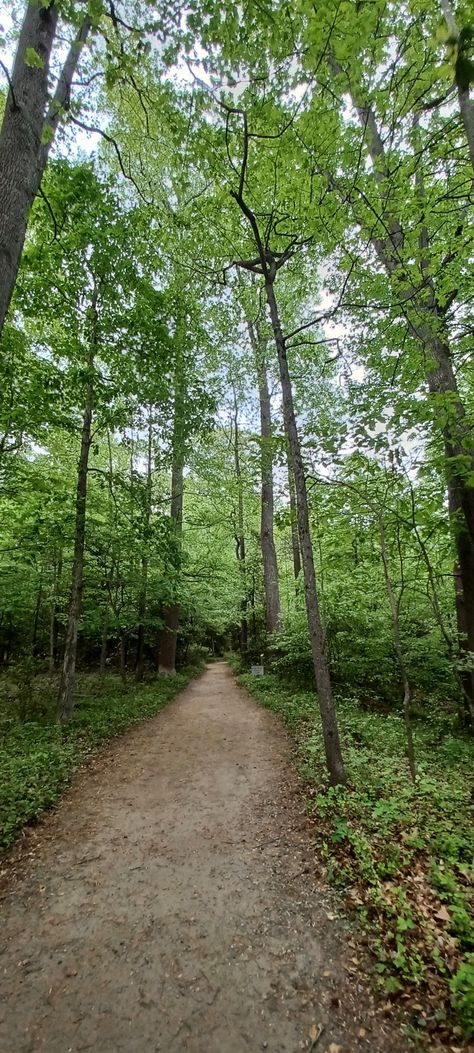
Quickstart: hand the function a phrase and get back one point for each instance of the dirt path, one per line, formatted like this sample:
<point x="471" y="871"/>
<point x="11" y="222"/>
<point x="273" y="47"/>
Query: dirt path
<point x="170" y="906"/>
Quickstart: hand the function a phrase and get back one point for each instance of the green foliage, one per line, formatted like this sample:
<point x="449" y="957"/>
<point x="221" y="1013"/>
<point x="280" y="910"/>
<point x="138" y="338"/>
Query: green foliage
<point x="462" y="988"/>
<point x="403" y="852"/>
<point x="38" y="757"/>
<point x="33" y="59"/>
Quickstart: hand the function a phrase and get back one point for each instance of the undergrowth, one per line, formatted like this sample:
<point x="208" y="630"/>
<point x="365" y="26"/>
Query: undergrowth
<point x="38" y="756"/>
<point x="403" y="853"/>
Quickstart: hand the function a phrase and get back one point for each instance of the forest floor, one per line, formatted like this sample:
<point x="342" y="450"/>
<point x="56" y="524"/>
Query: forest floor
<point x="170" y="903"/>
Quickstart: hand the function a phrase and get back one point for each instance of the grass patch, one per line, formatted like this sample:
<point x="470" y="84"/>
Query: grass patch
<point x="38" y="756"/>
<point x="403" y="853"/>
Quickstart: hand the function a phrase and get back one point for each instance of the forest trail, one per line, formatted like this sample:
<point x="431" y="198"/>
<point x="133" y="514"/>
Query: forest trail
<point x="168" y="904"/>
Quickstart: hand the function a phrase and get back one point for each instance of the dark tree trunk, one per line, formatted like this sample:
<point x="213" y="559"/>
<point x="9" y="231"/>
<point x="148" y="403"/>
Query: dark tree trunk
<point x="168" y="638"/>
<point x="267" y="541"/>
<point x="54" y="619"/>
<point x="103" y="646"/>
<point x="267" y="264"/>
<point x="140" y="658"/>
<point x="20" y="141"/>
<point x="34" y="639"/>
<point x="169" y="633"/>
<point x="318" y="644"/>
<point x="142" y="600"/>
<point x="26" y="134"/>
<point x="68" y="674"/>
<point x="240" y="534"/>
<point x="123" y="656"/>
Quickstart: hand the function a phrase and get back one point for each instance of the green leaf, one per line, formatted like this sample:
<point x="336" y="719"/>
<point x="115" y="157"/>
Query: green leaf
<point x="32" y="59"/>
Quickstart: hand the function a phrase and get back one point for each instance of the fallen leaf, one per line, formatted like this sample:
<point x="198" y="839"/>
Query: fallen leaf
<point x="443" y="914"/>
<point x="362" y="1032"/>
<point x="314" y="1031"/>
<point x="333" y="1048"/>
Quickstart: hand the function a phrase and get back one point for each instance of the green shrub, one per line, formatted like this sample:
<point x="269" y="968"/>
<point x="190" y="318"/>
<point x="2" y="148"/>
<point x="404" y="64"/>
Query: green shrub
<point x="462" y="989"/>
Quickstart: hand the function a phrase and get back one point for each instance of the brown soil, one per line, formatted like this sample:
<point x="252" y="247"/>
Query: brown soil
<point x="170" y="902"/>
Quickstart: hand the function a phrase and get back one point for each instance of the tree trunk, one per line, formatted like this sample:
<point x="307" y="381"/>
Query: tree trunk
<point x="68" y="675"/>
<point x="27" y="132"/>
<point x="168" y="639"/>
<point x="20" y="140"/>
<point x="103" y="646"/>
<point x="240" y="534"/>
<point x="267" y="541"/>
<point x="34" y="639"/>
<point x="123" y="656"/>
<point x="318" y="645"/>
<point x="399" y="653"/>
<point x="54" y="621"/>
<point x="169" y="633"/>
<point x="140" y="663"/>
<point x="295" y="545"/>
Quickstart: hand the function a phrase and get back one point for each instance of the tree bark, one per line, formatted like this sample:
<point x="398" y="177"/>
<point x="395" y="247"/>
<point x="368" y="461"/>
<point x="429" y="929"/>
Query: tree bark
<point x="295" y="545"/>
<point x="34" y="640"/>
<point x="168" y="640"/>
<point x="318" y="644"/>
<point x="123" y="656"/>
<point x="54" y="621"/>
<point x="169" y="633"/>
<point x="240" y="533"/>
<point x="103" y="645"/>
<point x="20" y="140"/>
<point x="267" y="541"/>
<point x="27" y="131"/>
<point x="68" y="674"/>
<point x="142" y="600"/>
<point x="267" y="264"/>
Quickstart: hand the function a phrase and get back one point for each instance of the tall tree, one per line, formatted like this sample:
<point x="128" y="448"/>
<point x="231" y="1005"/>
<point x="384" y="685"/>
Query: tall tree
<point x="169" y="633"/>
<point x="28" y="128"/>
<point x="267" y="263"/>
<point x="267" y="541"/>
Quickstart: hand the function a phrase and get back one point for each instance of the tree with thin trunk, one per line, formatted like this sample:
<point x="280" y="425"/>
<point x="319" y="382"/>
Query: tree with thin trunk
<point x="142" y="599"/>
<point x="68" y="672"/>
<point x="267" y="263"/>
<point x="295" y="545"/>
<point x="267" y="541"/>
<point x="54" y="616"/>
<point x="169" y="632"/>
<point x="239" y="528"/>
